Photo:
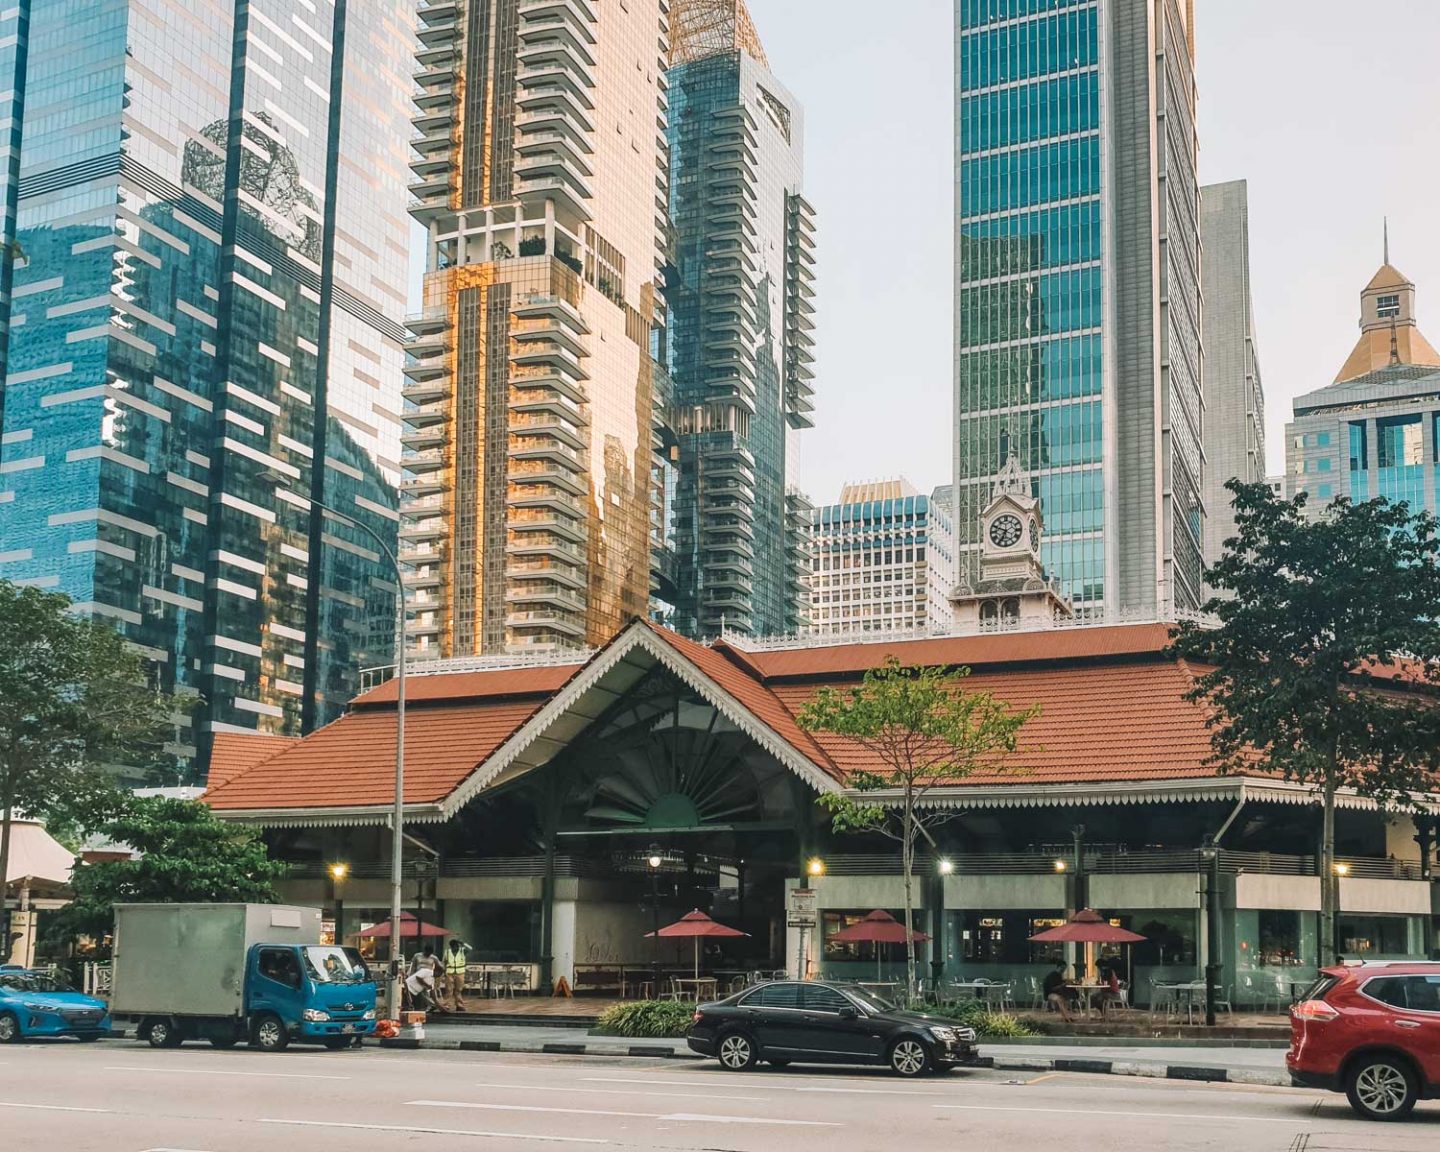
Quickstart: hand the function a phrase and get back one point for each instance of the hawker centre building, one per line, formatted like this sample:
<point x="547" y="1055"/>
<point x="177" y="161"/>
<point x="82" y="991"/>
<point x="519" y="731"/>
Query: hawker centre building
<point x="537" y="795"/>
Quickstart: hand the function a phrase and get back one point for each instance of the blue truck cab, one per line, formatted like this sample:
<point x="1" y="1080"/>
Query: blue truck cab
<point x="315" y="992"/>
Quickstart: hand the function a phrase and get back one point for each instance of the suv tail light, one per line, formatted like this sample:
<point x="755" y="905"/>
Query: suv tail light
<point x="1316" y="1010"/>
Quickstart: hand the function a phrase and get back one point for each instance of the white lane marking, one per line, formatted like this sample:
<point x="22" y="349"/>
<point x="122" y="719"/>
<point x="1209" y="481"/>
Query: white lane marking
<point x="172" y="1071"/>
<point x="688" y="1117"/>
<point x="437" y="1131"/>
<point x="1139" y="1115"/>
<point x="616" y="1092"/>
<point x="54" y="1108"/>
<point x="777" y="1083"/>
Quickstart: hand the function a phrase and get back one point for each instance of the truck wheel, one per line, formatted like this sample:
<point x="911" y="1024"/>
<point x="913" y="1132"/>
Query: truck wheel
<point x="269" y="1034"/>
<point x="163" y="1034"/>
<point x="9" y="1028"/>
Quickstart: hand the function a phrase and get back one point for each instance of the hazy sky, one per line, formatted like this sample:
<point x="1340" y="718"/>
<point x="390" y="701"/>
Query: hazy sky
<point x="1331" y="119"/>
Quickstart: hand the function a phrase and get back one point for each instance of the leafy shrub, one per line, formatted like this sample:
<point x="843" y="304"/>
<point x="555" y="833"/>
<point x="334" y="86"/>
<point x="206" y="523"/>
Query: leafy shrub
<point x="648" y="1018"/>
<point x="975" y="1014"/>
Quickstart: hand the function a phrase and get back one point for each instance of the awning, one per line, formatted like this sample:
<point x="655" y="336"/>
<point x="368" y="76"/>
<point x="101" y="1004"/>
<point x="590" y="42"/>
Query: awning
<point x="36" y="857"/>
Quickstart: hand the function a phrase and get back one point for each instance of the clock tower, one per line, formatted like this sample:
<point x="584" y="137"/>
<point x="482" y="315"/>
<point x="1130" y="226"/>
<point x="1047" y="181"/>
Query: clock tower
<point x="1013" y="590"/>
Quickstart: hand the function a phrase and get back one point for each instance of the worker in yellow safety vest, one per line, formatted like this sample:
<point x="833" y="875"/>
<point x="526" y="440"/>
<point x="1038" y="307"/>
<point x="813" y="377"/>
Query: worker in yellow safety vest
<point x="457" y="955"/>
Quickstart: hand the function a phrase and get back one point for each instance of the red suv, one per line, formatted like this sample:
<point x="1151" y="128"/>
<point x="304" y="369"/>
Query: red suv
<point x="1371" y="1031"/>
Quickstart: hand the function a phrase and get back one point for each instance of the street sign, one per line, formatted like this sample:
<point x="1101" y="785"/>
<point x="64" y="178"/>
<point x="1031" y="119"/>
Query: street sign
<point x="800" y="908"/>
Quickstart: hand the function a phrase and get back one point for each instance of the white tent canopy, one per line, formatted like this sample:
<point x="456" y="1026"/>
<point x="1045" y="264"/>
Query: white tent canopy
<point x="37" y="856"/>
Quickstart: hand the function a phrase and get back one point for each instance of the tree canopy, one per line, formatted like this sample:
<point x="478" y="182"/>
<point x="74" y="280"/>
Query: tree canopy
<point x="184" y="854"/>
<point x="924" y="730"/>
<point x="1327" y="647"/>
<point x="75" y="700"/>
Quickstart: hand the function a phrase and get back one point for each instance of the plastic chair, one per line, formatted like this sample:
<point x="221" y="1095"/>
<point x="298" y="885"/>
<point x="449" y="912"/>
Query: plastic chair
<point x="1037" y="994"/>
<point x="1222" y="1000"/>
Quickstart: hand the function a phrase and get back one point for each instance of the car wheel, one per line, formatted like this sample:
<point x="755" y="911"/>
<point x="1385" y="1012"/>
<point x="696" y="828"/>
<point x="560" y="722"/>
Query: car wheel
<point x="909" y="1056"/>
<point x="736" y="1052"/>
<point x="1381" y="1088"/>
<point x="270" y="1034"/>
<point x="163" y="1034"/>
<point x="9" y="1028"/>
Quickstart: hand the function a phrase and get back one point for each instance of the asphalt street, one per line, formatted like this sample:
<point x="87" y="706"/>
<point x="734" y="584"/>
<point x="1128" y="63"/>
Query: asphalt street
<point x="120" y="1096"/>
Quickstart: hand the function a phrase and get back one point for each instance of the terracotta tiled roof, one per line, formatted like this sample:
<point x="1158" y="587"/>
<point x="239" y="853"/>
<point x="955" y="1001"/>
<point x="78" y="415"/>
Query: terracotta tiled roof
<point x="352" y="761"/>
<point x="750" y="692"/>
<point x="1127" y="721"/>
<point x="234" y="752"/>
<point x="969" y="651"/>
<point x="473" y="685"/>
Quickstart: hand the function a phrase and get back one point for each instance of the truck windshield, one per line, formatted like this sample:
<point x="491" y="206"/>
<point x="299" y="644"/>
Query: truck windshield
<point x="329" y="965"/>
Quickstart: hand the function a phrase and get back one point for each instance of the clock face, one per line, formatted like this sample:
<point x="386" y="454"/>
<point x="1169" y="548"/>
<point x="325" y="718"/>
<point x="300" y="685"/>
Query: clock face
<point x="1005" y="531"/>
<point x="1034" y="536"/>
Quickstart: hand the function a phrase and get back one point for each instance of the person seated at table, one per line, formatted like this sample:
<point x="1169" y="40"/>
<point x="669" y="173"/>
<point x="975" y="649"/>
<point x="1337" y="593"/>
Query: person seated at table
<point x="1058" y="993"/>
<point x="1110" y="994"/>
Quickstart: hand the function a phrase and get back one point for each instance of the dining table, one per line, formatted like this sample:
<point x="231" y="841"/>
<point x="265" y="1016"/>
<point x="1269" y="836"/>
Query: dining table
<point x="971" y="988"/>
<point x="1186" y="995"/>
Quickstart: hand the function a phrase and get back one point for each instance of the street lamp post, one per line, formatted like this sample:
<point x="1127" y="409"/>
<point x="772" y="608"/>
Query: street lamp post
<point x="397" y="817"/>
<point x="1210" y="855"/>
<point x="943" y="868"/>
<point x="338" y="872"/>
<point x="654" y="863"/>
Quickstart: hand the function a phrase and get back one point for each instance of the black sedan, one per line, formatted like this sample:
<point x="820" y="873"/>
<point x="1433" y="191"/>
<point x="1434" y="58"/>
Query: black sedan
<point x="811" y="1022"/>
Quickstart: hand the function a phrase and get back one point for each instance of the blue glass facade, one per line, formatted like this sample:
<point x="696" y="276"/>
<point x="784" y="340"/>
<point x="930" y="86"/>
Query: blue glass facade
<point x="211" y="213"/>
<point x="739" y="292"/>
<point x="1077" y="298"/>
<point x="1030" y="357"/>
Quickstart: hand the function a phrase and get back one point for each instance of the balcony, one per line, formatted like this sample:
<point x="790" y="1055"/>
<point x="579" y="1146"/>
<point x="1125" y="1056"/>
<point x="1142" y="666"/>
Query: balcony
<point x="542" y="448"/>
<point x="430" y="484"/>
<point x="534" y="544"/>
<point x="580" y="13"/>
<point x="547" y="424"/>
<point x="527" y="570"/>
<point x="559" y="119"/>
<point x="424" y="391"/>
<point x="425" y="415"/>
<point x="546" y="400"/>
<point x="546" y="472"/>
<point x="553" y="621"/>
<point x="534" y="593"/>
<point x="423" y="578"/>
<point x="544" y="497"/>
<point x="544" y="352"/>
<point x="424" y="439"/>
<point x="529" y="380"/>
<point x="557" y="161"/>
<point x="538" y="304"/>
<point x="547" y="330"/>
<point x="524" y="520"/>
<point x="422" y="462"/>
<point x="555" y="40"/>
<point x="559" y="189"/>
<point x="432" y="530"/>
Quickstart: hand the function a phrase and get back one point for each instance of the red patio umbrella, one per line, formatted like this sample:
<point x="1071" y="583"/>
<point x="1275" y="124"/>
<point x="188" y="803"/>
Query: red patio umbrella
<point x="1088" y="927"/>
<point x="879" y="927"/>
<point x="409" y="926"/>
<point x="695" y="925"/>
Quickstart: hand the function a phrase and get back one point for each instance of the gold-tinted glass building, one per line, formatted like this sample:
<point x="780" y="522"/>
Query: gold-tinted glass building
<point x="531" y="390"/>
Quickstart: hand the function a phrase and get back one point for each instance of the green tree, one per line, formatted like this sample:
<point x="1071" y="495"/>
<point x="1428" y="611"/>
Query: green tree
<point x="1316" y="619"/>
<point x="74" y="699"/>
<point x="184" y="853"/>
<point x="923" y="730"/>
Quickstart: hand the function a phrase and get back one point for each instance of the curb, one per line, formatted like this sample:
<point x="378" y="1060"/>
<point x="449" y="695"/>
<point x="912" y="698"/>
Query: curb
<point x="1189" y="1072"/>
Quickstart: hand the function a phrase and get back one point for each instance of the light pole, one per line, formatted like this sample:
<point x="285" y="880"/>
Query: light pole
<point x="654" y="861"/>
<point x="943" y="868"/>
<point x="1341" y="870"/>
<point x="1210" y="856"/>
<point x="397" y="817"/>
<point x="338" y="872"/>
<point x="814" y="869"/>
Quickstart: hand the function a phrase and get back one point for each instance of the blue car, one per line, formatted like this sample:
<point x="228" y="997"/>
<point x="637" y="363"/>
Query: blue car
<point x="37" y="1004"/>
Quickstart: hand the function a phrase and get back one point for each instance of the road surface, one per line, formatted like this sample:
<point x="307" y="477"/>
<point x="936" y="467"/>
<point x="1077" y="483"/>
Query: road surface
<point x="120" y="1096"/>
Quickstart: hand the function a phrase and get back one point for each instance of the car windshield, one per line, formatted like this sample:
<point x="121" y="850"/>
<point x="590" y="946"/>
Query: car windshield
<point x="330" y="965"/>
<point x="33" y="982"/>
<point x="869" y="1001"/>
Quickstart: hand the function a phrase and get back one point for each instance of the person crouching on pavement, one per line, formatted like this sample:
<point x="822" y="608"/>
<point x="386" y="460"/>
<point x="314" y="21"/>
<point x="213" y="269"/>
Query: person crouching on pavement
<point x="420" y="988"/>
<point x="457" y="956"/>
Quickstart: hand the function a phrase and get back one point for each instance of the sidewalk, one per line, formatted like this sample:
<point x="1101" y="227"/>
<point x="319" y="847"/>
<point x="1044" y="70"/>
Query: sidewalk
<point x="1166" y="1059"/>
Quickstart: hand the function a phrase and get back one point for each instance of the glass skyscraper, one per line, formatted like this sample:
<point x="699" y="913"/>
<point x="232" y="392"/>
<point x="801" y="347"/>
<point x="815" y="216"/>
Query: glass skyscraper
<point x="1077" y="289"/>
<point x="532" y="452"/>
<point x="740" y="290"/>
<point x="209" y="282"/>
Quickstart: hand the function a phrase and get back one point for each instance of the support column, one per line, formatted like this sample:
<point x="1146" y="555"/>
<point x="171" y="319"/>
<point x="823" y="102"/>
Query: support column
<point x="550" y="824"/>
